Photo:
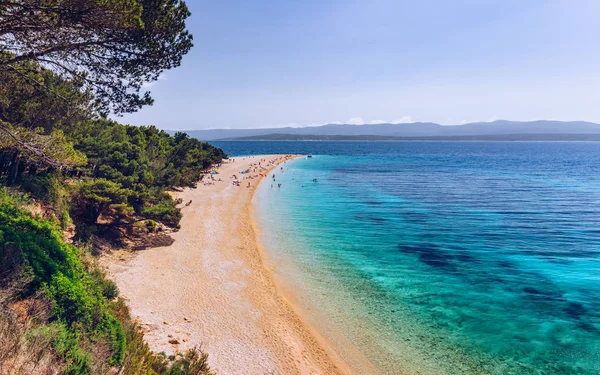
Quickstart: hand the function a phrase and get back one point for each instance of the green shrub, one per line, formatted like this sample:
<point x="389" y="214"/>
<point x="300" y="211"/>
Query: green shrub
<point x="191" y="362"/>
<point x="80" y="307"/>
<point x="67" y="344"/>
<point x="47" y="187"/>
<point x="165" y="210"/>
<point x="50" y="189"/>
<point x="150" y="225"/>
<point x="107" y="287"/>
<point x="73" y="302"/>
<point x="117" y="340"/>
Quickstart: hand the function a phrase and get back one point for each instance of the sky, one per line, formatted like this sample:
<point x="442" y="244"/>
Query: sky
<point x="261" y="63"/>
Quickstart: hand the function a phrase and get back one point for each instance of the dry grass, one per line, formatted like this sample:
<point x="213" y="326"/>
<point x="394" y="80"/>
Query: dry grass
<point x="24" y="349"/>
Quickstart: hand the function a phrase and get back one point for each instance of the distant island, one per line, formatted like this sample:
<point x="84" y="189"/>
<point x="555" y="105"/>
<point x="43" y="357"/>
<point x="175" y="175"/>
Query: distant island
<point x="492" y="137"/>
<point x="500" y="130"/>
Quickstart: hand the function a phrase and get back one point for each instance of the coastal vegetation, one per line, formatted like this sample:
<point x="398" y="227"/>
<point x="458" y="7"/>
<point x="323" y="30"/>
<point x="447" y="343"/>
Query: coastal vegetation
<point x="58" y="312"/>
<point x="73" y="182"/>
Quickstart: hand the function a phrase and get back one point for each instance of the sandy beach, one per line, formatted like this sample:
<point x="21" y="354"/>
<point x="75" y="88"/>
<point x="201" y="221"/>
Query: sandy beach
<point x="210" y="287"/>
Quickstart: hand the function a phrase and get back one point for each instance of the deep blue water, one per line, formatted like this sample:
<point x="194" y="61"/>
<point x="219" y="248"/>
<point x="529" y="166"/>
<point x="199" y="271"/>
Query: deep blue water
<point x="479" y="257"/>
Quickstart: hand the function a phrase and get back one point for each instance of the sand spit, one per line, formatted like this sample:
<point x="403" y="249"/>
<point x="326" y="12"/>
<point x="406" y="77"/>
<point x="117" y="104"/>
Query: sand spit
<point x="210" y="287"/>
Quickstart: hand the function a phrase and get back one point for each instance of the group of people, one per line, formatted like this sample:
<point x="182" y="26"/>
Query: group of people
<point x="255" y="170"/>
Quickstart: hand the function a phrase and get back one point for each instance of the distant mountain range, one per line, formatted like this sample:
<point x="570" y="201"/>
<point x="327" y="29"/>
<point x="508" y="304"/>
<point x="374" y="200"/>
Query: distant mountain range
<point x="497" y="130"/>
<point x="491" y="137"/>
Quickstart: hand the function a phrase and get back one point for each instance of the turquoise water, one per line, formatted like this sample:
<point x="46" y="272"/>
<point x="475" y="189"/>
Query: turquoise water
<point x="445" y="257"/>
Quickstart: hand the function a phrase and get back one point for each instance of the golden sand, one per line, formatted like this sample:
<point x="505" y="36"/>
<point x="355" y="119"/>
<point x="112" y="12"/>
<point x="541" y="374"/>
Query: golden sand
<point x="211" y="289"/>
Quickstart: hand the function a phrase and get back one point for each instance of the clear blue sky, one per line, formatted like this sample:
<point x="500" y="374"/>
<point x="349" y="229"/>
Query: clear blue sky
<point x="277" y="63"/>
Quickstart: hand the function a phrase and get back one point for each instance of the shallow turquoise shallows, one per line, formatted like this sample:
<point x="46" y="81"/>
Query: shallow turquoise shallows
<point x="463" y="258"/>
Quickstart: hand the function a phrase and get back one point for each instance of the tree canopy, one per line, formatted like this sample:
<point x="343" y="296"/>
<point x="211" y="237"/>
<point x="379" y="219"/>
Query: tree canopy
<point x="109" y="47"/>
<point x="36" y="107"/>
<point x="64" y="62"/>
<point x="130" y="167"/>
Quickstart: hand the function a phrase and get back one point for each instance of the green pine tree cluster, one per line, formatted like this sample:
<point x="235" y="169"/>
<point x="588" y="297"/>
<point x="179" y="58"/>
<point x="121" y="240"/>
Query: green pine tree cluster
<point x="130" y="167"/>
<point x="116" y="171"/>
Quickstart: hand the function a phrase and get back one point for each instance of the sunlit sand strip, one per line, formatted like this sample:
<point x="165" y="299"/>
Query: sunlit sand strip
<point x="211" y="289"/>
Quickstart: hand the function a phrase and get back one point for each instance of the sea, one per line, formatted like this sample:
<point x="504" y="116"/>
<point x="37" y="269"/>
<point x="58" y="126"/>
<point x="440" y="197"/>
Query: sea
<point x="441" y="257"/>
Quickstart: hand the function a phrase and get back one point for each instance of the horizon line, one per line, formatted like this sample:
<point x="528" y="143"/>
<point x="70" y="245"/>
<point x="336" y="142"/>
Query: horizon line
<point x="379" y="123"/>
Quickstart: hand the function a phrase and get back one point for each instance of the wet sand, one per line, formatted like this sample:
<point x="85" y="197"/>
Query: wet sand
<point x="210" y="288"/>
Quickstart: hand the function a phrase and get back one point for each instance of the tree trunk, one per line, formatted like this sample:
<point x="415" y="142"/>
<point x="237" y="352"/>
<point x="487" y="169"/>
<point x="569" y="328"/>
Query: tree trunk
<point x="2" y="157"/>
<point x="12" y="175"/>
<point x="20" y="170"/>
<point x="94" y="213"/>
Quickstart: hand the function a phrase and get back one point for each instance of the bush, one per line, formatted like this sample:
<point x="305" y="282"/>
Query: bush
<point x="118" y="342"/>
<point x="67" y="344"/>
<point x="73" y="301"/>
<point x="164" y="210"/>
<point x="107" y="287"/>
<point x="49" y="188"/>
<point x="150" y="225"/>
<point x="191" y="362"/>
<point x="80" y="308"/>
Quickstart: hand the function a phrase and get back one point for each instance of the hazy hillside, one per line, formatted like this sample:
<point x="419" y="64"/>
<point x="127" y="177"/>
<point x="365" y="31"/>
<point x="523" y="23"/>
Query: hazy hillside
<point x="417" y="129"/>
<point x="482" y="137"/>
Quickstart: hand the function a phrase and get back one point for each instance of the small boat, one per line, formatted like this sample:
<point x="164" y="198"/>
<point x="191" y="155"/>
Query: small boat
<point x="309" y="156"/>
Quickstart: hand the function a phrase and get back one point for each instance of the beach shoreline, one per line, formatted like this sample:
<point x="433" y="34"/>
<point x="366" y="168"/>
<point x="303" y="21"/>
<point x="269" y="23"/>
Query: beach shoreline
<point x="212" y="289"/>
<point x="346" y="354"/>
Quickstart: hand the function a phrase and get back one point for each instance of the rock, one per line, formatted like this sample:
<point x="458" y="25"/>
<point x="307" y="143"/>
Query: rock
<point x="174" y="341"/>
<point x="165" y="323"/>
